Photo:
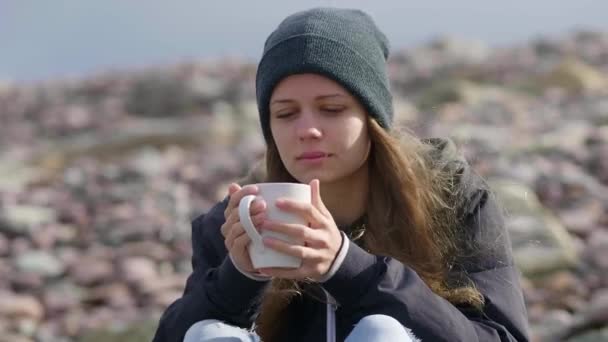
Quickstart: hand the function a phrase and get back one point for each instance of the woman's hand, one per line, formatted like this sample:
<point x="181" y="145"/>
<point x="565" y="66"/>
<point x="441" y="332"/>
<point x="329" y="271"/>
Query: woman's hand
<point x="235" y="237"/>
<point x="322" y="239"/>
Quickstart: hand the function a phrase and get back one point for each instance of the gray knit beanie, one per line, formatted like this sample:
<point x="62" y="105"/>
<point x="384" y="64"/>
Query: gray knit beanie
<point x="344" y="45"/>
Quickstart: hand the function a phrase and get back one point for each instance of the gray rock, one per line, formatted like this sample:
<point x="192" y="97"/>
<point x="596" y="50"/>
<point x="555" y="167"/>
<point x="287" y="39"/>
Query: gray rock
<point x="4" y="248"/>
<point x="115" y="295"/>
<point x="88" y="271"/>
<point x="14" y="176"/>
<point x="552" y="324"/>
<point x="138" y="270"/>
<point x="40" y="262"/>
<point x="62" y="297"/>
<point x="541" y="244"/>
<point x="600" y="335"/>
<point x="25" y="219"/>
<point x="582" y="218"/>
<point x="20" y="306"/>
<point x="597" y="251"/>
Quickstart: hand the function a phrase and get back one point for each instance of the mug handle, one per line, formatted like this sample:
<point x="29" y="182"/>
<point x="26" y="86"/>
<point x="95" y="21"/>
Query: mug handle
<point x="245" y="218"/>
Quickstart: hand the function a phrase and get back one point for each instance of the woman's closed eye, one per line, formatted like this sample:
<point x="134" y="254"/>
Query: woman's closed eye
<point x="284" y="115"/>
<point x="333" y="109"/>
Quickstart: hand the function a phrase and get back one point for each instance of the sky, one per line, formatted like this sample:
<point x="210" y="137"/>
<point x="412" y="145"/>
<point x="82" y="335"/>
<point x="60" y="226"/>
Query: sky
<point x="74" y="38"/>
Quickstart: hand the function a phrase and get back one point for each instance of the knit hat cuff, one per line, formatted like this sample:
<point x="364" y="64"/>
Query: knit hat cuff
<point x="309" y="53"/>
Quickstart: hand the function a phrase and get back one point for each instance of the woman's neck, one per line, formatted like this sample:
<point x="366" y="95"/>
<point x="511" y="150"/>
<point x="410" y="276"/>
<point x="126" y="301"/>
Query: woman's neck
<point x="346" y="198"/>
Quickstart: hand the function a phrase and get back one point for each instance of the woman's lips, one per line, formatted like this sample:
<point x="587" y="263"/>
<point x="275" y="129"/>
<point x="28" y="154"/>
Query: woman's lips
<point x="313" y="157"/>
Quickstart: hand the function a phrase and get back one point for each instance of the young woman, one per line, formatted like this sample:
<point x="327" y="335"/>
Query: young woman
<point x="404" y="242"/>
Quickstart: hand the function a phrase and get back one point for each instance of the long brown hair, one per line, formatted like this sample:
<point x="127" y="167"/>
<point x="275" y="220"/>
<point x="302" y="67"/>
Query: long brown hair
<point x="411" y="216"/>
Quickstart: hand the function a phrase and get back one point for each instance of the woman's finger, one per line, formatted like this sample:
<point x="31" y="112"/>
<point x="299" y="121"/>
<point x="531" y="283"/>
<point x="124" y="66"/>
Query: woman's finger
<point x="298" y="232"/>
<point x="302" y="209"/>
<point x="257" y="206"/>
<point x="236" y="197"/>
<point x="232" y="189"/>
<point x="315" y="196"/>
<point x="284" y="273"/>
<point x="241" y="242"/>
<point x="297" y="251"/>
<point x="230" y="220"/>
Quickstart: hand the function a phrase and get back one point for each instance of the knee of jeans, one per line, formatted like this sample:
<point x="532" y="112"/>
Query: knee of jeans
<point x="214" y="330"/>
<point x="379" y="322"/>
<point x="384" y="325"/>
<point x="198" y="330"/>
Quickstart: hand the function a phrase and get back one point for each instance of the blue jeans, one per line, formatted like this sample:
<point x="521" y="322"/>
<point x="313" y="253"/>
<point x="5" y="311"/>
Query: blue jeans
<point x="369" y="329"/>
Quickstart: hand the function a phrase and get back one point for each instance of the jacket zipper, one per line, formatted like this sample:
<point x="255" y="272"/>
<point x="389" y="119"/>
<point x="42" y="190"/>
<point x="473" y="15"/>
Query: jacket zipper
<point x="330" y="309"/>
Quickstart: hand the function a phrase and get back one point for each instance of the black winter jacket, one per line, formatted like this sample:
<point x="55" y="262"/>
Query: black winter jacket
<point x="217" y="290"/>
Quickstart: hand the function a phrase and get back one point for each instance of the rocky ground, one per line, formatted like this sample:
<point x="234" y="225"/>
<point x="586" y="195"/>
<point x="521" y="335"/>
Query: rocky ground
<point x="99" y="178"/>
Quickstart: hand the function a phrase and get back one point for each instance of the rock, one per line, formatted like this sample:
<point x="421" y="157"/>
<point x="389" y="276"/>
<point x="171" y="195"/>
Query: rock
<point x="540" y="243"/>
<point x="135" y="332"/>
<point x="156" y="95"/>
<point x="4" y="248"/>
<point x="24" y="219"/>
<point x="600" y="335"/>
<point x="448" y="91"/>
<point x="581" y="218"/>
<point x="20" y="306"/>
<point x="26" y="281"/>
<point x="149" y="162"/>
<point x="10" y="337"/>
<point x="576" y="76"/>
<point x="569" y="138"/>
<point x="149" y="249"/>
<point x="597" y="311"/>
<point x="115" y="295"/>
<point x="138" y="270"/>
<point x="14" y="176"/>
<point x="597" y="251"/>
<point x="62" y="297"/>
<point x="90" y="271"/>
<point x="164" y="299"/>
<point x="166" y="283"/>
<point x="40" y="262"/>
<point x="460" y="50"/>
<point x="552" y="324"/>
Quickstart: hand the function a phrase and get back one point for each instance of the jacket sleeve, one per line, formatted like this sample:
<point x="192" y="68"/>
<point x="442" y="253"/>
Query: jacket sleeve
<point x="215" y="289"/>
<point x="387" y="286"/>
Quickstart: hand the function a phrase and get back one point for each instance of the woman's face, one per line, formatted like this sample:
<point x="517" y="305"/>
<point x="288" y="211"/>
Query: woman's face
<point x="319" y="128"/>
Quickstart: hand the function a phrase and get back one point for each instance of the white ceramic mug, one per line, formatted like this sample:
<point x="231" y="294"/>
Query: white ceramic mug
<point x="262" y="257"/>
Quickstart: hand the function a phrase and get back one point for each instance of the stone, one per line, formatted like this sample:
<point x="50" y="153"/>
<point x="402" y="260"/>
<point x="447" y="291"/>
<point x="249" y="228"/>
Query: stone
<point x="552" y="324"/>
<point x="62" y="297"/>
<point x="20" y="306"/>
<point x="576" y="76"/>
<point x="597" y="251"/>
<point x="138" y="270"/>
<point x="40" y="262"/>
<point x="4" y="245"/>
<point x="136" y="332"/>
<point x="600" y="335"/>
<point x="89" y="271"/>
<point x="15" y="176"/>
<point x="24" y="219"/>
<point x="148" y="249"/>
<point x="581" y="218"/>
<point x="116" y="295"/>
<point x="541" y="244"/>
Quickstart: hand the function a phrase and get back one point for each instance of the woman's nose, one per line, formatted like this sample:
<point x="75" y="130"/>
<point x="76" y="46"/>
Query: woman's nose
<point x="307" y="127"/>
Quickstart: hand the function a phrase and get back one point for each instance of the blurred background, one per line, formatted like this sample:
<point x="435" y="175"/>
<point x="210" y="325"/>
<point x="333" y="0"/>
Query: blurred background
<point x="122" y="121"/>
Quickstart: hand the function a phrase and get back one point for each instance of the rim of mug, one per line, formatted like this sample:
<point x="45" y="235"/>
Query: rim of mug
<point x="279" y="183"/>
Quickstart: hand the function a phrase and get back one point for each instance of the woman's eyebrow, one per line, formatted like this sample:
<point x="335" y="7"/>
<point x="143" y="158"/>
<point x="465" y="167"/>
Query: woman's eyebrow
<point x="327" y="96"/>
<point x="320" y="97"/>
<point x="281" y="101"/>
